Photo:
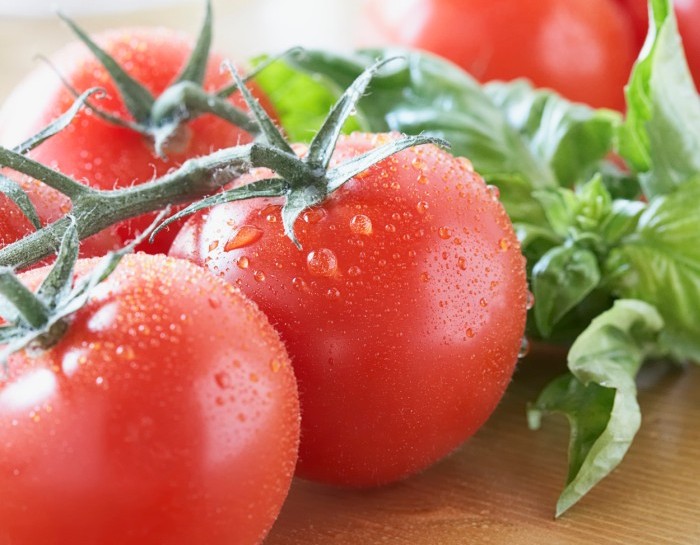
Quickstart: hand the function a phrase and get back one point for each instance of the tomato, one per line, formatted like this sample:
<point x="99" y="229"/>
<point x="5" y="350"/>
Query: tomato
<point x="403" y="314"/>
<point x="101" y="154"/>
<point x="688" y="15"/>
<point x="166" y="414"/>
<point x="583" y="49"/>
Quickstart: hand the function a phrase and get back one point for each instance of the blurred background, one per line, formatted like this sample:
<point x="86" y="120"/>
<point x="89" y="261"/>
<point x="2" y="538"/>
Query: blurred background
<point x="242" y="28"/>
<point x="583" y="49"/>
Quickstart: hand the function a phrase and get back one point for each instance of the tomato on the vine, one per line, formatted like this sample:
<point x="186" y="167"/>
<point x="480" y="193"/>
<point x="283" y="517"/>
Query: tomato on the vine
<point x="97" y="152"/>
<point x="166" y="414"/>
<point x="583" y="49"/>
<point x="403" y="314"/>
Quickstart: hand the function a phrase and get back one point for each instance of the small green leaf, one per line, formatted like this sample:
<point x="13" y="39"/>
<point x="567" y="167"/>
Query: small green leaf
<point x="137" y="99"/>
<point x="561" y="279"/>
<point x="599" y="396"/>
<point x="322" y="145"/>
<point x="58" y="124"/>
<point x="196" y="66"/>
<point x="13" y="191"/>
<point x="268" y="187"/>
<point x="59" y="281"/>
<point x="268" y="130"/>
<point x="18" y="303"/>
<point x="660" y="263"/>
<point x="661" y="134"/>
<point x="337" y="176"/>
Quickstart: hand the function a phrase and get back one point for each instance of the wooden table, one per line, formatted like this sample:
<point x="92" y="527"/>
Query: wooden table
<point x="501" y="486"/>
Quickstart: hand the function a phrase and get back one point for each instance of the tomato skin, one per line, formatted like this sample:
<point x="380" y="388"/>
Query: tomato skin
<point x="688" y="16"/>
<point x="583" y="49"/>
<point x="102" y="154"/>
<point x="145" y="424"/>
<point x="403" y="314"/>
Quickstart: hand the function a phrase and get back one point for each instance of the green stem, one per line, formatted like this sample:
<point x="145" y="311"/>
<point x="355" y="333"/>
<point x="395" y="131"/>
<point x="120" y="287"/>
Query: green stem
<point x="27" y="305"/>
<point x="96" y="210"/>
<point x="190" y="98"/>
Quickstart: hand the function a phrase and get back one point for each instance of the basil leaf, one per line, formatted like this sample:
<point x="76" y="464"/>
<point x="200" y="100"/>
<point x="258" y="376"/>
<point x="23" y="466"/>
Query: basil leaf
<point x="300" y="101"/>
<point x="661" y="135"/>
<point x="560" y="280"/>
<point x="511" y="133"/>
<point x="599" y="397"/>
<point x="660" y="264"/>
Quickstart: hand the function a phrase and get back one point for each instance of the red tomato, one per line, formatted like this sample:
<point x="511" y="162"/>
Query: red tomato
<point x="403" y="314"/>
<point x="102" y="154"/>
<point x="688" y="15"/>
<point x="146" y="424"/>
<point x="584" y="49"/>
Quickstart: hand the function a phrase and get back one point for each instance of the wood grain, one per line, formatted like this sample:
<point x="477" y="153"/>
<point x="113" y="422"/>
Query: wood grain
<point x="501" y="486"/>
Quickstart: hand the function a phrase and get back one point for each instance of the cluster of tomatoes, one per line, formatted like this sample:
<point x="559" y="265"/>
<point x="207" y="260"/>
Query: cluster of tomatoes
<point x="583" y="49"/>
<point x="189" y="389"/>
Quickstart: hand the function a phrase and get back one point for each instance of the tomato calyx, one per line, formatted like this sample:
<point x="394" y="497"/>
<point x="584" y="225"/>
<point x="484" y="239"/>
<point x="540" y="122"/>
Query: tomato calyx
<point x="163" y="119"/>
<point x="302" y="181"/>
<point x="305" y="181"/>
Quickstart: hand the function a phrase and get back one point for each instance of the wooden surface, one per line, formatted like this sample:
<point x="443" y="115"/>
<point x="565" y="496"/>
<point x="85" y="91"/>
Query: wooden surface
<point x="501" y="486"/>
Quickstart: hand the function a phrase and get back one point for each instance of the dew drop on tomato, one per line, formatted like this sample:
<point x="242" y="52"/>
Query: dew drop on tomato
<point x="245" y="236"/>
<point x="322" y="262"/>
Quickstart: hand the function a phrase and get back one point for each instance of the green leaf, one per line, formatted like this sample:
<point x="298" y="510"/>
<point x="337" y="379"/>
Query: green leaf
<point x="660" y="263"/>
<point x="506" y="130"/>
<point x="300" y="101"/>
<point x="661" y="135"/>
<point x="561" y="279"/>
<point x="599" y="397"/>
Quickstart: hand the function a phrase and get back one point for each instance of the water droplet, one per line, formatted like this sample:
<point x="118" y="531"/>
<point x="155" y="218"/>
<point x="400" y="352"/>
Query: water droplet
<point x="529" y="300"/>
<point x="245" y="236"/>
<point x="259" y="276"/>
<point x="314" y="215"/>
<point x="504" y="244"/>
<point x="395" y="186"/>
<point x="483" y="303"/>
<point x="462" y="263"/>
<point x="275" y="365"/>
<point x="390" y="228"/>
<point x="418" y="163"/>
<point x="470" y="332"/>
<point x="524" y="348"/>
<point x="299" y="284"/>
<point x="444" y="233"/>
<point x="214" y="302"/>
<point x="99" y="381"/>
<point x="422" y="179"/>
<point x="213" y="245"/>
<point x="322" y="262"/>
<point x="254" y="377"/>
<point x="243" y="262"/>
<point x="424" y="277"/>
<point x="494" y="191"/>
<point x="270" y="213"/>
<point x="333" y="293"/>
<point x="223" y="380"/>
<point x="354" y="271"/>
<point x="361" y="225"/>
